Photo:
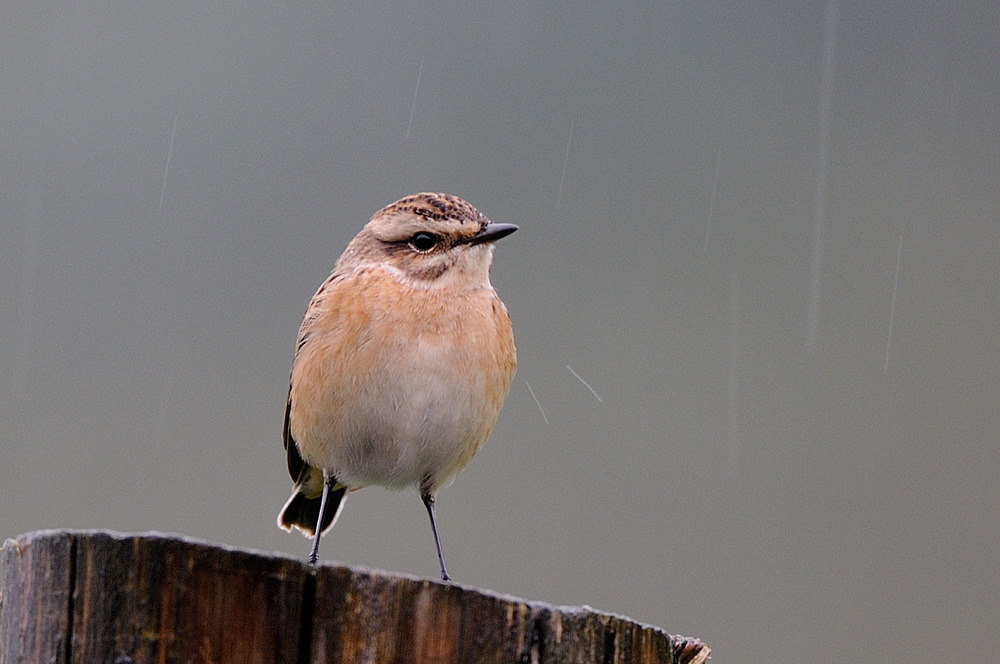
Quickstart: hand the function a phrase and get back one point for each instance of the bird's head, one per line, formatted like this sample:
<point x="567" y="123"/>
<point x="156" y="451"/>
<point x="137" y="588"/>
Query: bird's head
<point x="431" y="240"/>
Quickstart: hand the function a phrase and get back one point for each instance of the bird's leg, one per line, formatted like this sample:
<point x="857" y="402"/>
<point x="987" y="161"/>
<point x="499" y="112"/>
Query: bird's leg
<point x="328" y="481"/>
<point x="428" y="499"/>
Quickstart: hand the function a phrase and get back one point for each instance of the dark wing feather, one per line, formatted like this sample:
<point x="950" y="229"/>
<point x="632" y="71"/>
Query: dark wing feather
<point x="295" y="461"/>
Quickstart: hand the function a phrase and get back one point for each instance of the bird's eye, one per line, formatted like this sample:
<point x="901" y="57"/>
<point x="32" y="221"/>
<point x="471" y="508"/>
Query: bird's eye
<point x="423" y="242"/>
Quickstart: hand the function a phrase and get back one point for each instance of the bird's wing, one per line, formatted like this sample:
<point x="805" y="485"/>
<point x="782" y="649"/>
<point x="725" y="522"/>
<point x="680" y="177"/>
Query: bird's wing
<point x="296" y="465"/>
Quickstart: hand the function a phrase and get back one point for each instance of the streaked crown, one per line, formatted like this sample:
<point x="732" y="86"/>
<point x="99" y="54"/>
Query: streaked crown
<point x="441" y="212"/>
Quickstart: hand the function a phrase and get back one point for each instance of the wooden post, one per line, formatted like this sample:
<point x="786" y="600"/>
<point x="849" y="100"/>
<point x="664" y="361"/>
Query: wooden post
<point x="98" y="596"/>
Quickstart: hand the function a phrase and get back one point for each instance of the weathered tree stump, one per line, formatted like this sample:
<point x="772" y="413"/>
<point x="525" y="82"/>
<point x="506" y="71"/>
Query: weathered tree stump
<point x="97" y="596"/>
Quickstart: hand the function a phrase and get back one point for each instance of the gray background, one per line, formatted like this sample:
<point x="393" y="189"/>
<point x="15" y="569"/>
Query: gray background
<point x="757" y="474"/>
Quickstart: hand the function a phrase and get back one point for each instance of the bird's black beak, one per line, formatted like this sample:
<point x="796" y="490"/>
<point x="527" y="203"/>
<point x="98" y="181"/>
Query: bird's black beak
<point x="491" y="233"/>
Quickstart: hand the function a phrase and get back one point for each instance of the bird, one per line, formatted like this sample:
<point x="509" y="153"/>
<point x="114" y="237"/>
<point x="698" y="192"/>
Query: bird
<point x="403" y="360"/>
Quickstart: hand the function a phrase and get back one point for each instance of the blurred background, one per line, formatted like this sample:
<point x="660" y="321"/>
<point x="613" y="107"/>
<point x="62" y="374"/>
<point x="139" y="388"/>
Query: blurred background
<point x="764" y="234"/>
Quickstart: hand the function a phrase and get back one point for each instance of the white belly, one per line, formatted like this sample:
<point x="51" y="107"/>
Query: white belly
<point x="413" y="424"/>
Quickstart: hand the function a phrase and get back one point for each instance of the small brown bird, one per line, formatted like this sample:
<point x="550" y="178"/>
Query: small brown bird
<point x="404" y="358"/>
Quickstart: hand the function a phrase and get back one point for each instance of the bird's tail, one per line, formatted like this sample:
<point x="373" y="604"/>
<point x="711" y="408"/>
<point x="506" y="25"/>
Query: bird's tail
<point x="303" y="513"/>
